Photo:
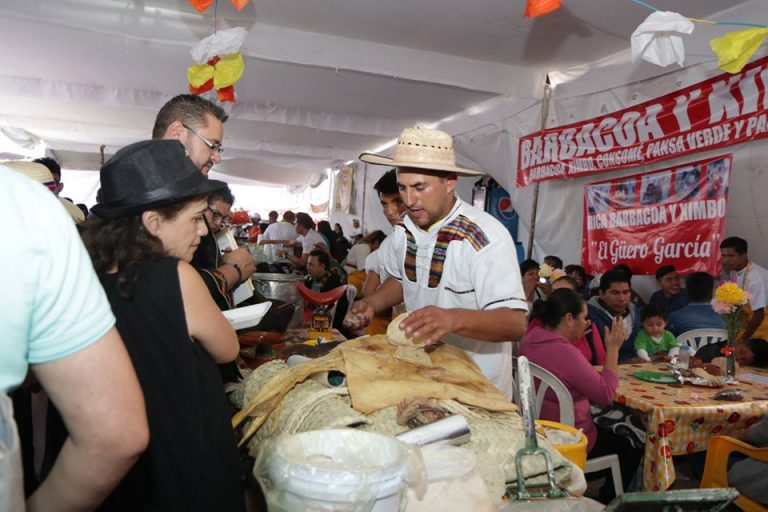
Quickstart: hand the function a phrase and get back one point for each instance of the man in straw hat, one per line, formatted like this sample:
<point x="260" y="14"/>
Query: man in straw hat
<point x="453" y="265"/>
<point x="41" y="174"/>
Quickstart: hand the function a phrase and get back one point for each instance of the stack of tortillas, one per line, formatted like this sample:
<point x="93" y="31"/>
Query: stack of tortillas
<point x="407" y="348"/>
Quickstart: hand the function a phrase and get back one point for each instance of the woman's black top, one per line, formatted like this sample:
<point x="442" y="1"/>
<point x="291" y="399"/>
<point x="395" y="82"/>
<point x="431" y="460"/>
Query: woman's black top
<point x="191" y="463"/>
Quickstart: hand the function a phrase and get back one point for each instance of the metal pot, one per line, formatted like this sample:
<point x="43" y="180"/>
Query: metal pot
<point x="281" y="287"/>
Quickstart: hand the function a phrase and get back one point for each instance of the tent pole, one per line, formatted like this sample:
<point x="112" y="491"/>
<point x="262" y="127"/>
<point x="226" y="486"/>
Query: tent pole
<point x="544" y="115"/>
<point x="365" y="190"/>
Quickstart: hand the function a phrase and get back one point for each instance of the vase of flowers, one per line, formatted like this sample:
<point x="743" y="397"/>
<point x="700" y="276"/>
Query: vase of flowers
<point x="729" y="302"/>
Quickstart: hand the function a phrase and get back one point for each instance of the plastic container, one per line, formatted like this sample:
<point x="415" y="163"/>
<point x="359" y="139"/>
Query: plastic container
<point x="340" y="470"/>
<point x="684" y="357"/>
<point x="453" y="482"/>
<point x="576" y="452"/>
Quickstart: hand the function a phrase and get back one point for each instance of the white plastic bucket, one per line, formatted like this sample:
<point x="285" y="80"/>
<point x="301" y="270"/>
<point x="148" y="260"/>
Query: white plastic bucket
<point x="335" y="470"/>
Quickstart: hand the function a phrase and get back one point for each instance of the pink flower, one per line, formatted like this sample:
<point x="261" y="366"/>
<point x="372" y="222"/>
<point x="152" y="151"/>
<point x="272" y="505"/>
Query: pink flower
<point x="721" y="307"/>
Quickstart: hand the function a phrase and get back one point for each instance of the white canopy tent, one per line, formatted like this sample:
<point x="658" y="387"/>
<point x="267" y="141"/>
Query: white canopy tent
<point x="327" y="80"/>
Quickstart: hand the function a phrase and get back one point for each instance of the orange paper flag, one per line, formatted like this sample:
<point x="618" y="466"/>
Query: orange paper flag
<point x="239" y="4"/>
<point x="536" y="8"/>
<point x="201" y="5"/>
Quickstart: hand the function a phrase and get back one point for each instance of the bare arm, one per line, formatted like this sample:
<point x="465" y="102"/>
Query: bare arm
<point x="431" y="324"/>
<point x="371" y="284"/>
<point x="101" y="402"/>
<point x="205" y="322"/>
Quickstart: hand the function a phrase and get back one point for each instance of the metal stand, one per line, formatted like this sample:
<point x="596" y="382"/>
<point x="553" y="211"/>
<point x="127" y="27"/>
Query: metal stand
<point x="525" y="386"/>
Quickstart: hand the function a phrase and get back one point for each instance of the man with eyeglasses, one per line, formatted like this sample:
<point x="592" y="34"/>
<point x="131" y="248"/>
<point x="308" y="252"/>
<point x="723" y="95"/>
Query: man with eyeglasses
<point x="199" y="125"/>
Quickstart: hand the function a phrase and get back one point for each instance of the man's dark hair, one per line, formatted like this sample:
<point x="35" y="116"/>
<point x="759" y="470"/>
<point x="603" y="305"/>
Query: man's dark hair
<point x="272" y="216"/>
<point x="615" y="275"/>
<point x="662" y="271"/>
<point x="190" y="110"/>
<point x="387" y="184"/>
<point x="289" y="216"/>
<point x="623" y="267"/>
<point x="527" y="265"/>
<point x="578" y="269"/>
<point x="700" y="286"/>
<point x="556" y="261"/>
<point x="303" y="219"/>
<point x="652" y="310"/>
<point x="224" y="195"/>
<point x="52" y="166"/>
<point x="759" y="348"/>
<point x="322" y="257"/>
<point x="377" y="236"/>
<point x="734" y="242"/>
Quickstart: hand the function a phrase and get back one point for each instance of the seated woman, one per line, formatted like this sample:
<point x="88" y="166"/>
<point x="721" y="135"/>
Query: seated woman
<point x="141" y="240"/>
<point x="563" y="318"/>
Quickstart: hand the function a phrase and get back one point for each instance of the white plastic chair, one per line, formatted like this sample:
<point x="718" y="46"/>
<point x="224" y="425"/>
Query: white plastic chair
<point x="547" y="380"/>
<point x="698" y="338"/>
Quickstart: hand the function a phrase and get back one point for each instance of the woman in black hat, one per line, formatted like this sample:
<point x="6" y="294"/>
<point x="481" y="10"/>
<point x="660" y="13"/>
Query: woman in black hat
<point x="141" y="241"/>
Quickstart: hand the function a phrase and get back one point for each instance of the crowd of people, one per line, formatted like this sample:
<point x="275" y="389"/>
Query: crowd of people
<point x="119" y="334"/>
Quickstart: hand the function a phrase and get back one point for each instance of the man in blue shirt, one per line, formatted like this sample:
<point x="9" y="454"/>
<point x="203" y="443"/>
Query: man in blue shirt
<point x="698" y="314"/>
<point x="670" y="296"/>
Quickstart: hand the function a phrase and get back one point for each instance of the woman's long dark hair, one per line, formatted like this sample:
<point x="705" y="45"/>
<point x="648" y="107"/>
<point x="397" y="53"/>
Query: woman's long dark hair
<point x="559" y="303"/>
<point x="123" y="241"/>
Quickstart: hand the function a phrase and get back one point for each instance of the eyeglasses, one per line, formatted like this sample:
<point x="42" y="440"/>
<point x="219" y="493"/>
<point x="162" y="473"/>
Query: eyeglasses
<point x="218" y="216"/>
<point x="213" y="146"/>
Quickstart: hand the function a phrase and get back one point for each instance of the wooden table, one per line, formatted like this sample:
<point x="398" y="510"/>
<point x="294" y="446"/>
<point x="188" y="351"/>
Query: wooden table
<point x="680" y="420"/>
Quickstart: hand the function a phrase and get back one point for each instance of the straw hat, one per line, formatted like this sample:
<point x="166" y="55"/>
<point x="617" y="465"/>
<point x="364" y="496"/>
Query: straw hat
<point x="149" y="174"/>
<point x="37" y="172"/>
<point x="41" y="174"/>
<point x="423" y="148"/>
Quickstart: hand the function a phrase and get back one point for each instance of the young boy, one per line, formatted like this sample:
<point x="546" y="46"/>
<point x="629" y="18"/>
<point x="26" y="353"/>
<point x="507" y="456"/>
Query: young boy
<point x="653" y="337"/>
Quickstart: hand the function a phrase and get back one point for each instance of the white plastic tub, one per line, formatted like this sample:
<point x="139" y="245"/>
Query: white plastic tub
<point x="334" y="470"/>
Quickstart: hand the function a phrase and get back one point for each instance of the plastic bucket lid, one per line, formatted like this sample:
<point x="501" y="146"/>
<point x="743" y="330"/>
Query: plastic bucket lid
<point x="577" y="452"/>
<point x="340" y="465"/>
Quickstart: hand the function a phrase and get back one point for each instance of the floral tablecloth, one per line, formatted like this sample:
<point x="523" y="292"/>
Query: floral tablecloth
<point x="680" y="420"/>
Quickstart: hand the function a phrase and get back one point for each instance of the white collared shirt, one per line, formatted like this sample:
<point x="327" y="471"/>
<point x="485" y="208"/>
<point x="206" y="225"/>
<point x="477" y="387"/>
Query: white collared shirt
<point x="467" y="260"/>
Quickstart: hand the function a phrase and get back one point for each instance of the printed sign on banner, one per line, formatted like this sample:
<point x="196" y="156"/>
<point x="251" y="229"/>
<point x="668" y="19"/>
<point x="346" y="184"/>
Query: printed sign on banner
<point x="719" y="112"/>
<point x="669" y="217"/>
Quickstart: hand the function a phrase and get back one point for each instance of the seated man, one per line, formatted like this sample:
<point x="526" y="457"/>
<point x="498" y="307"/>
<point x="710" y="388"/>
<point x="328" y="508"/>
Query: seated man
<point x="308" y="239"/>
<point x="613" y="301"/>
<point x="321" y="278"/>
<point x="670" y="295"/>
<point x="753" y="352"/>
<point x="698" y="314"/>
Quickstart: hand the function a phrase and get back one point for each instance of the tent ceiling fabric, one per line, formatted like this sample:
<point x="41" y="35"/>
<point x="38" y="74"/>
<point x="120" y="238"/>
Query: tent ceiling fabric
<point x="324" y="81"/>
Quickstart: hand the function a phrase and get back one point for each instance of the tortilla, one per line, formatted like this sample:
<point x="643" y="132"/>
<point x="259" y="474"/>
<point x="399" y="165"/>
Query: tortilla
<point x="407" y="348"/>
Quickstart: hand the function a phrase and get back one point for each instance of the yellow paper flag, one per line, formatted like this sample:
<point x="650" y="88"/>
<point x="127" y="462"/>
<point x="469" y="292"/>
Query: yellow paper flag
<point x="734" y="49"/>
<point x="228" y="70"/>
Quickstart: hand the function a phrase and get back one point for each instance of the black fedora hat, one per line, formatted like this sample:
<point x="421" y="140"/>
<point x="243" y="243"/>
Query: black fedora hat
<point x="149" y="174"/>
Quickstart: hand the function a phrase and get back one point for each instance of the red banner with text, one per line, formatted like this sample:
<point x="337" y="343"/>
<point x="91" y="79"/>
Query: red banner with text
<point x="674" y="217"/>
<point x="718" y="112"/>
